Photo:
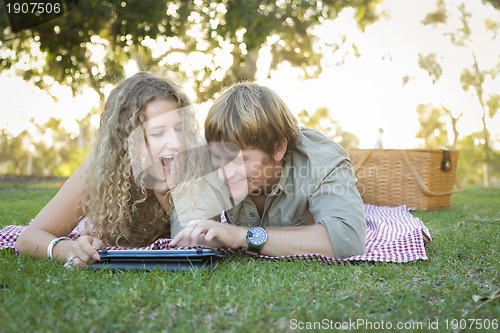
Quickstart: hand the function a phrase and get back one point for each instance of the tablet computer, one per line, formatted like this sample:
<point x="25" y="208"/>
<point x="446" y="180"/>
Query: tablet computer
<point x="171" y="260"/>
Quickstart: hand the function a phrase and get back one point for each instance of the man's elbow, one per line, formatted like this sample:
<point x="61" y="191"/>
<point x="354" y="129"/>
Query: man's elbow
<point x="355" y="247"/>
<point x="359" y="248"/>
<point x="322" y="241"/>
<point x="347" y="245"/>
<point x="328" y="251"/>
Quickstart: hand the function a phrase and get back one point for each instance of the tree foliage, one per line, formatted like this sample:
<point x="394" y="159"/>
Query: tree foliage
<point x="472" y="79"/>
<point x="494" y="3"/>
<point x="432" y="126"/>
<point x="431" y="65"/>
<point x="471" y="166"/>
<point x="93" y="41"/>
<point x="322" y="121"/>
<point x="433" y="123"/>
<point x="191" y="41"/>
<point x="53" y="152"/>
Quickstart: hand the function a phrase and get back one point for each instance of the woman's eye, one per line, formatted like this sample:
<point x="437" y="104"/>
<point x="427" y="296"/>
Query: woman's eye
<point x="156" y="134"/>
<point x="178" y="128"/>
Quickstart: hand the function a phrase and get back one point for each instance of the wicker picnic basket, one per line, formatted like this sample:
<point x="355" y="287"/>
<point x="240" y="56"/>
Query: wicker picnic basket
<point x="419" y="179"/>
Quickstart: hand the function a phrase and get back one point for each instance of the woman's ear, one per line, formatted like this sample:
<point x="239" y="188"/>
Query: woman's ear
<point x="280" y="150"/>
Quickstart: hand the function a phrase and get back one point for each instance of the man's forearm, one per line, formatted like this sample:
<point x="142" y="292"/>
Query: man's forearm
<point x="311" y="239"/>
<point x="281" y="241"/>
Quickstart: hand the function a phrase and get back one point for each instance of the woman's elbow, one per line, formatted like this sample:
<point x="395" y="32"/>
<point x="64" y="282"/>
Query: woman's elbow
<point x="25" y="245"/>
<point x="21" y="243"/>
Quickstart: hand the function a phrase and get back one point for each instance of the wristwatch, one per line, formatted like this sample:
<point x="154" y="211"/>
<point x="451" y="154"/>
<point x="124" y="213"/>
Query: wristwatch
<point x="256" y="238"/>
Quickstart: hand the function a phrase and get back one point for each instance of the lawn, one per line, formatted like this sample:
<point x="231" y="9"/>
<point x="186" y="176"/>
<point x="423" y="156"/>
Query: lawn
<point x="457" y="287"/>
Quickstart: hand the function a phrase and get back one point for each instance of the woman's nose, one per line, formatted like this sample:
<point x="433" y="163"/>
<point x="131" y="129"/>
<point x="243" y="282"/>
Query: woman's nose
<point x="173" y="141"/>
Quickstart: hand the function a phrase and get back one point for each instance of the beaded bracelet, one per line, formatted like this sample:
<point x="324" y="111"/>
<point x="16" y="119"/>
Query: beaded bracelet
<point x="52" y="244"/>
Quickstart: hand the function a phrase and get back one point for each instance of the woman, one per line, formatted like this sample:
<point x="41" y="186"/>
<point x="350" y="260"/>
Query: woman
<point x="123" y="189"/>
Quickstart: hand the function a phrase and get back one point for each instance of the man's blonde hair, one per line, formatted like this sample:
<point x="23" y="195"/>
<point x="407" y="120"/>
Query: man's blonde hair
<point x="252" y="116"/>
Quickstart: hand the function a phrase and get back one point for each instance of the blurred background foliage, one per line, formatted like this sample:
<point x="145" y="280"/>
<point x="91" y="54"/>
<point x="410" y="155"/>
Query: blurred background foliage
<point x="479" y="162"/>
<point x="61" y="51"/>
<point x="65" y="50"/>
<point x="126" y="29"/>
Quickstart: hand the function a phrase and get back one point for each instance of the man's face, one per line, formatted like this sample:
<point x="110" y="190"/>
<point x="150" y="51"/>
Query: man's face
<point x="245" y="171"/>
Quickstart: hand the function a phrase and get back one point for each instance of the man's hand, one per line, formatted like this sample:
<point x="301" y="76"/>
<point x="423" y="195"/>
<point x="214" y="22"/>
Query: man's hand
<point x="281" y="241"/>
<point x="212" y="234"/>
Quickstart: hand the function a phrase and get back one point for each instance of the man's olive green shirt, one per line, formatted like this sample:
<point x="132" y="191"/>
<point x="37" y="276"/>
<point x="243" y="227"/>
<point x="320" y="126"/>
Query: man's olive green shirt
<point x="317" y="185"/>
<point x="316" y="178"/>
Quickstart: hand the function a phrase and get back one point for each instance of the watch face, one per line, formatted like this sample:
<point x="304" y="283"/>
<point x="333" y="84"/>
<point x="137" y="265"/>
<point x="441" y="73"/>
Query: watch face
<point x="259" y="236"/>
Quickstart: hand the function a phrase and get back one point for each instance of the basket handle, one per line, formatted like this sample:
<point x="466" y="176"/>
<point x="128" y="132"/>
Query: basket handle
<point x="360" y="162"/>
<point x="421" y="183"/>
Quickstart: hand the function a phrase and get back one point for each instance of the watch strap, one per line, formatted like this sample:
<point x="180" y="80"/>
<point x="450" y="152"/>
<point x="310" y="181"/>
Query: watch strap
<point x="253" y="250"/>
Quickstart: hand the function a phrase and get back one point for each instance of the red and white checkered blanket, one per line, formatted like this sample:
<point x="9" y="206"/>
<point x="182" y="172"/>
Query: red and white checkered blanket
<point x="393" y="235"/>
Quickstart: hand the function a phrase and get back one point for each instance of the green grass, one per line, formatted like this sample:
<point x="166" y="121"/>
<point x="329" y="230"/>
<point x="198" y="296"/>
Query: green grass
<point x="244" y="294"/>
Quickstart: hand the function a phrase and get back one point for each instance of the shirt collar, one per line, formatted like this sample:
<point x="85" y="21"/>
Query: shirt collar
<point x="284" y="185"/>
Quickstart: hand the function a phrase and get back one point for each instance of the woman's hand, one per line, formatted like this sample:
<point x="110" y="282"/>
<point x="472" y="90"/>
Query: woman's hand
<point x="83" y="250"/>
<point x="163" y="198"/>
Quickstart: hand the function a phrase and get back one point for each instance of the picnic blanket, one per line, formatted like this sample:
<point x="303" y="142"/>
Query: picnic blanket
<point x="393" y="235"/>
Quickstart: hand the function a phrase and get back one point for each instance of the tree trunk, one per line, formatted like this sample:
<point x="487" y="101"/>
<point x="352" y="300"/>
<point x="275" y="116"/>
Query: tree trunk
<point x="486" y="146"/>
<point x="454" y="126"/>
<point x="248" y="71"/>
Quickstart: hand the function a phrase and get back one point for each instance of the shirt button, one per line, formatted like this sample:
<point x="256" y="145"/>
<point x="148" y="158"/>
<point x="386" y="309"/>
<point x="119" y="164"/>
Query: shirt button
<point x="251" y="214"/>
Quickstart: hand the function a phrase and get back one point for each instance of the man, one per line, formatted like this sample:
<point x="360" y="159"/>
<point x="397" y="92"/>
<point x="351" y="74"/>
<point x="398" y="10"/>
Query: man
<point x="294" y="189"/>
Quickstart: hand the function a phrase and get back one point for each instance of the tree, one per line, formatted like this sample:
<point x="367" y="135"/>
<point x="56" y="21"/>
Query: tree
<point x="13" y="152"/>
<point x="433" y="121"/>
<point x="53" y="151"/>
<point x="471" y="167"/>
<point x="432" y="126"/>
<point x="472" y="79"/>
<point x="91" y="43"/>
<point x="64" y="48"/>
<point x="494" y="3"/>
<point x="322" y="121"/>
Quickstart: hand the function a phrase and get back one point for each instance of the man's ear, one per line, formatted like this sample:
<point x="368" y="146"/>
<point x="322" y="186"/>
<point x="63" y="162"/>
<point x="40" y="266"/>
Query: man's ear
<point x="280" y="150"/>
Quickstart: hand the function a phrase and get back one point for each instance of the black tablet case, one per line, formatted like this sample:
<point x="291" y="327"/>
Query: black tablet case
<point x="171" y="260"/>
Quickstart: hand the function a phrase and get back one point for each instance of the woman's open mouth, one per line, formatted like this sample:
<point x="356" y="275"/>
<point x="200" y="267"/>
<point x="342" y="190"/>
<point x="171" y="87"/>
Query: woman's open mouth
<point x="166" y="161"/>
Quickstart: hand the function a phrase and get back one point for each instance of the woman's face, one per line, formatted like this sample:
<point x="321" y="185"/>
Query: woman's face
<point x="164" y="140"/>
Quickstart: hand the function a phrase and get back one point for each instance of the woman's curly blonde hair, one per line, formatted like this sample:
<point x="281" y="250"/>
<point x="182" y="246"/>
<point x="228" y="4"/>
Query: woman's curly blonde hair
<point x="121" y="208"/>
